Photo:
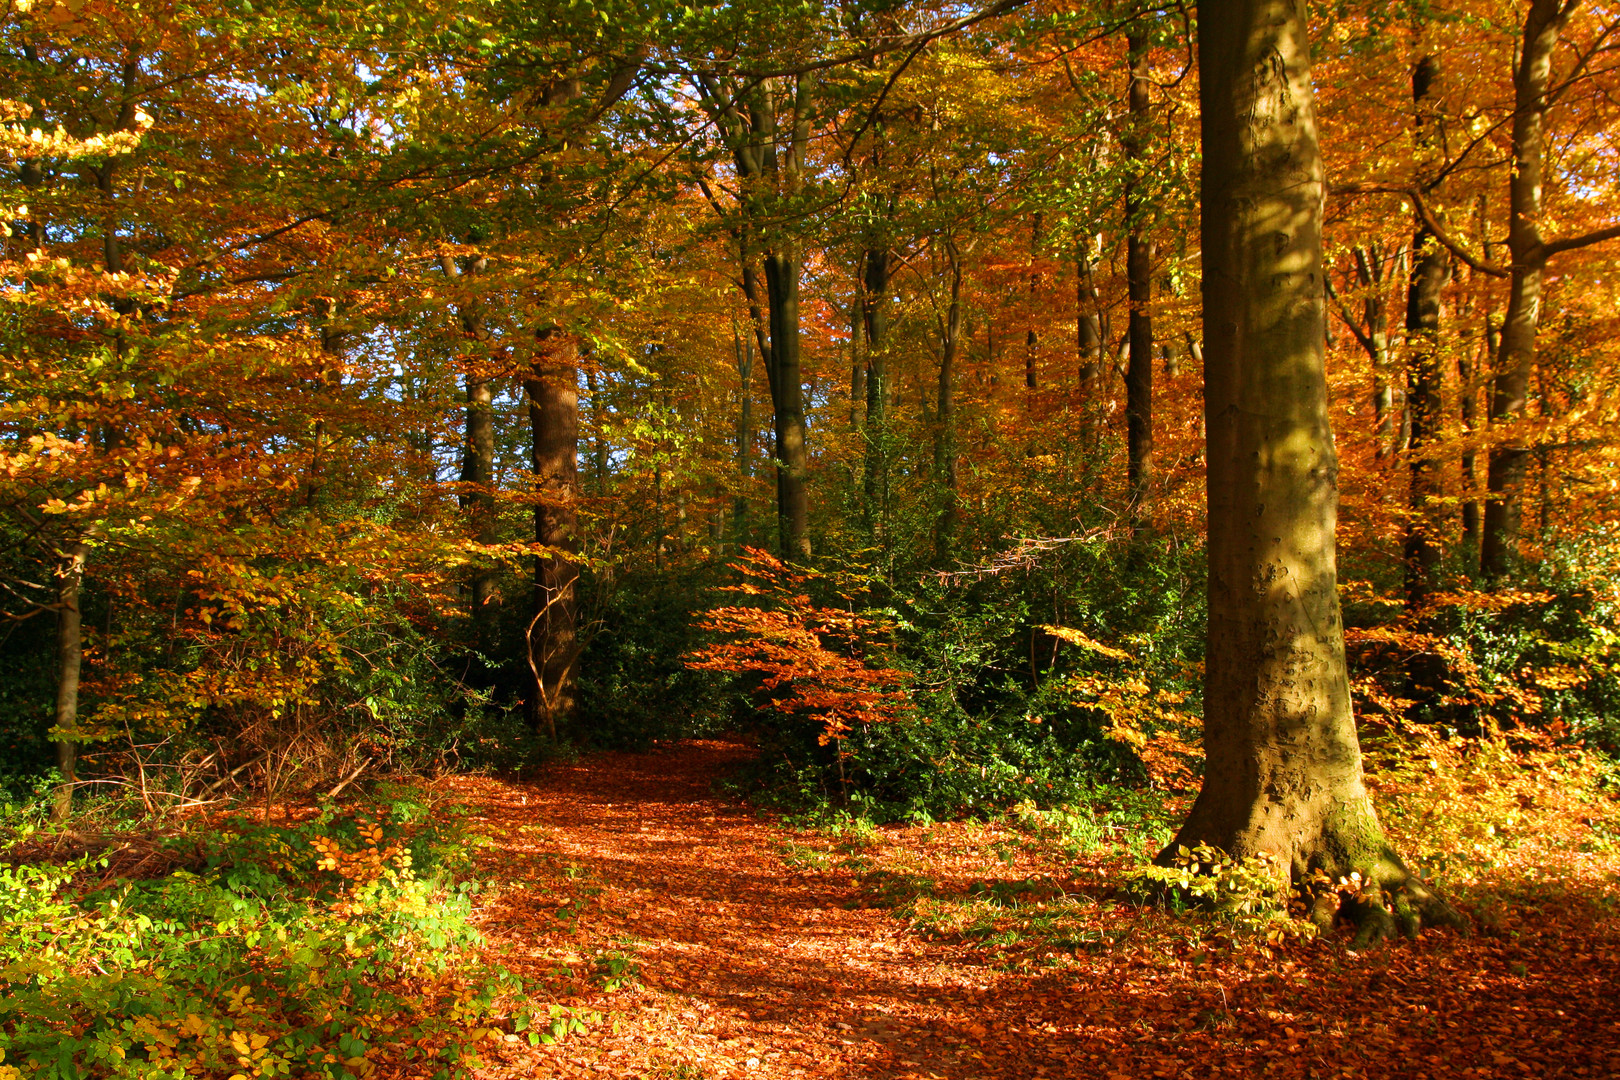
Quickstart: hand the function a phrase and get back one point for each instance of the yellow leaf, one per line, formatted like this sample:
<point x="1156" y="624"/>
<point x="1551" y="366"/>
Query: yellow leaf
<point x="1075" y="637"/>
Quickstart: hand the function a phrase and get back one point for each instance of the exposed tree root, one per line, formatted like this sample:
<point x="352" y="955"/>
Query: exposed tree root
<point x="1381" y="910"/>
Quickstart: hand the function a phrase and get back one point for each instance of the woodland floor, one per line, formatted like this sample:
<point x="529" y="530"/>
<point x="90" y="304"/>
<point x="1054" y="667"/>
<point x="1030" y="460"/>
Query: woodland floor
<point x="717" y="943"/>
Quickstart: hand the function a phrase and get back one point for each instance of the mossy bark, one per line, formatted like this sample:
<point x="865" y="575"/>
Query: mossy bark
<point x="1283" y="768"/>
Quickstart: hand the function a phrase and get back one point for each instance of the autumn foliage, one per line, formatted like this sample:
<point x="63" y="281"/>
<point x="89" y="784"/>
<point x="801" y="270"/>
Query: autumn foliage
<point x="399" y="389"/>
<point x="809" y="661"/>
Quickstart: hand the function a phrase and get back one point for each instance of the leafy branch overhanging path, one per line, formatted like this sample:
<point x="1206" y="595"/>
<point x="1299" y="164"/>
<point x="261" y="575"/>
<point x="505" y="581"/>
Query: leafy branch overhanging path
<point x="753" y="961"/>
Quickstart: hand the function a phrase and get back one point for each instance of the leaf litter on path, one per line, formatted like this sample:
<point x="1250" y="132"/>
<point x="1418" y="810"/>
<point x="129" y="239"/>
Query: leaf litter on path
<point x="718" y="944"/>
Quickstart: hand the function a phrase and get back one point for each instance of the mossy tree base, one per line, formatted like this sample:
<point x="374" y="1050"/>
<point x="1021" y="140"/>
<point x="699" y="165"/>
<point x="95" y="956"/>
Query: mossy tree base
<point x="1333" y="850"/>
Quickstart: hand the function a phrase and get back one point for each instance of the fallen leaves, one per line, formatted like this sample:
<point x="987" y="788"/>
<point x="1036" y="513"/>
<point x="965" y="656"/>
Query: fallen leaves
<point x="760" y="955"/>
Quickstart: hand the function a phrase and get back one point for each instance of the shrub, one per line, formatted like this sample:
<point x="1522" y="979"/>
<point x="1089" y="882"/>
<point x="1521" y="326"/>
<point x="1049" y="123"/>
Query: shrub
<point x="325" y="949"/>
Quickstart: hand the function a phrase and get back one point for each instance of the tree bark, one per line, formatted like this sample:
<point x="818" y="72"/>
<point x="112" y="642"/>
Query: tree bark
<point x="857" y="360"/>
<point x="1431" y="270"/>
<point x="69" y="660"/>
<point x="1510" y="456"/>
<point x="875" y="308"/>
<point x="768" y="150"/>
<point x="553" y="635"/>
<point x="744" y="348"/>
<point x="477" y="499"/>
<point x="1139" y="278"/>
<point x="1088" y="338"/>
<point x="945" y="420"/>
<point x="1032" y="339"/>
<point x="787" y="397"/>
<point x="1283" y="768"/>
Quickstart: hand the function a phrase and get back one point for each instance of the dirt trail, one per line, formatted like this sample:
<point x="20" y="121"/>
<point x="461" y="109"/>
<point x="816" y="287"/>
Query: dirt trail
<point x="747" y="967"/>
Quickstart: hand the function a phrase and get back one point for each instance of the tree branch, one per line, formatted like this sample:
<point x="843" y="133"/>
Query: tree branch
<point x="1441" y="233"/>
<point x="1573" y="243"/>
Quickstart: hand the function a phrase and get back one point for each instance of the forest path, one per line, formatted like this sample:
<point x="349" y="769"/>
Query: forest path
<point x="748" y="967"/>
<point x="752" y="962"/>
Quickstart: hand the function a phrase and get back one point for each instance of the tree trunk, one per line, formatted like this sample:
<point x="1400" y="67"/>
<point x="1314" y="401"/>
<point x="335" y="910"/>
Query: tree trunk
<point x="857" y="361"/>
<point x="1283" y="771"/>
<point x="477" y="455"/>
<point x="594" y="391"/>
<point x="945" y="421"/>
<point x="1088" y="339"/>
<point x="1510" y="456"/>
<point x="553" y="635"/>
<point x="787" y="399"/>
<point x="1139" y="278"/>
<point x="875" y="306"/>
<point x="1373" y="270"/>
<point x="745" y="428"/>
<point x="1431" y="270"/>
<point x="69" y="659"/>
<point x="331" y="337"/>
<point x="1032" y="340"/>
<point x="769" y="157"/>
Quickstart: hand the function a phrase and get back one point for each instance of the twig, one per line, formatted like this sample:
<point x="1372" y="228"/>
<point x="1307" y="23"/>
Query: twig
<point x="1025" y="555"/>
<point x="346" y="781"/>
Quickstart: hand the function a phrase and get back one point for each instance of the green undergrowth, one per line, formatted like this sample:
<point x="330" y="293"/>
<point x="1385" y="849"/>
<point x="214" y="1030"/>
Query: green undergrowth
<point x="329" y="947"/>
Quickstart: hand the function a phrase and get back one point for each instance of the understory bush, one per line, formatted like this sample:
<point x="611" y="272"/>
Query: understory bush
<point x="634" y="689"/>
<point x="1543" y="654"/>
<point x="1040" y="675"/>
<point x="325" y="948"/>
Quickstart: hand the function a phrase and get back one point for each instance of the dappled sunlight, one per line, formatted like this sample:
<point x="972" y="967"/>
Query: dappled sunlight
<point x="1002" y="948"/>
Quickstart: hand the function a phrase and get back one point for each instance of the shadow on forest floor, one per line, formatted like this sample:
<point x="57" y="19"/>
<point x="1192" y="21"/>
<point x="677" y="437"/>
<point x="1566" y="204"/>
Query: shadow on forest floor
<point x="719" y="943"/>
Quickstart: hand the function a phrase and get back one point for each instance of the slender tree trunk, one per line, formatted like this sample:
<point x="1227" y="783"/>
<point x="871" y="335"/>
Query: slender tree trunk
<point x="553" y="635"/>
<point x="331" y="336"/>
<point x="1510" y="456"/>
<point x="1473" y="519"/>
<point x="769" y="157"/>
<point x="1468" y="393"/>
<point x="1372" y="267"/>
<point x="1032" y="340"/>
<point x="599" y="443"/>
<point x="745" y="428"/>
<point x="1139" y="277"/>
<point x="69" y="659"/>
<point x="875" y="305"/>
<point x="1431" y="270"/>
<point x="857" y="362"/>
<point x="1088" y="339"/>
<point x="945" y="420"/>
<point x="787" y="397"/>
<point x="1283" y="774"/>
<point x="477" y="454"/>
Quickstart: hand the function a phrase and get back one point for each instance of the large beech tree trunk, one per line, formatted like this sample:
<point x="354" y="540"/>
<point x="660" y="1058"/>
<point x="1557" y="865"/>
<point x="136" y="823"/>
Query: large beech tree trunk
<point x="1139" y="279"/>
<point x="1283" y="768"/>
<point x="553" y="636"/>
